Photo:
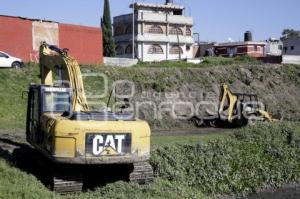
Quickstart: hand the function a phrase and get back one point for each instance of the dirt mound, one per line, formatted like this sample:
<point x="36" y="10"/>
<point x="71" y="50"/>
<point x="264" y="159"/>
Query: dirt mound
<point x="167" y="97"/>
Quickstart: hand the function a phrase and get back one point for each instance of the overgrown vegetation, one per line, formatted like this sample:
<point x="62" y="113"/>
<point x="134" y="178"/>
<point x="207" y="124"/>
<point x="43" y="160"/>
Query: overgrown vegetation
<point x="207" y="62"/>
<point x="276" y="85"/>
<point x="253" y="158"/>
<point x="250" y="159"/>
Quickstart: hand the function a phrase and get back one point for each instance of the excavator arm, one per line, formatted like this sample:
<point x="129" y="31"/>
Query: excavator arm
<point x="56" y="61"/>
<point x="226" y="95"/>
<point x="230" y="99"/>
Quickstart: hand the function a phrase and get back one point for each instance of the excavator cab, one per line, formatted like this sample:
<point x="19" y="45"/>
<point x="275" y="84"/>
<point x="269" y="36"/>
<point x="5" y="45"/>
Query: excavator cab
<point x="45" y="99"/>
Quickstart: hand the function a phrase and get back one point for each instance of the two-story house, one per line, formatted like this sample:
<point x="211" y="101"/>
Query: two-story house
<point x="161" y="32"/>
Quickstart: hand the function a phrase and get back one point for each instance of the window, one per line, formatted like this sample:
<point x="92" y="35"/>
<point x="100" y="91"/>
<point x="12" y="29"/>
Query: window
<point x="128" y="30"/>
<point x="285" y="49"/>
<point x="118" y="31"/>
<point x="231" y="51"/>
<point x="175" y="50"/>
<point x="35" y="106"/>
<point x="255" y="48"/>
<point x="128" y="49"/>
<point x="188" y="48"/>
<point x="155" y="30"/>
<point x="3" y="55"/>
<point x="175" y="31"/>
<point x="155" y="49"/>
<point x="119" y="50"/>
<point x="56" y="102"/>
<point x="292" y="47"/>
<point x="188" y="32"/>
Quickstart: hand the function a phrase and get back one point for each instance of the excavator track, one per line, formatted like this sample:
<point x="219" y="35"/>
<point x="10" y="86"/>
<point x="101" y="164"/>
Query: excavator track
<point x="142" y="173"/>
<point x="54" y="177"/>
<point x="67" y="184"/>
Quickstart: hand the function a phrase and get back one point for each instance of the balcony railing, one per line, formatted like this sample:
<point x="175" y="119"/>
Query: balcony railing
<point x="155" y="17"/>
<point x="165" y="18"/>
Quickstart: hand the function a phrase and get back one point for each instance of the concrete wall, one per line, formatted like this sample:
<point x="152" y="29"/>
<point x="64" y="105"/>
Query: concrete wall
<point x="21" y="38"/>
<point x="121" y="62"/>
<point x="84" y="43"/>
<point x="291" y="46"/>
<point x="164" y="18"/>
<point x="143" y="55"/>
<point x="44" y="31"/>
<point x="291" y="59"/>
<point x="274" y="48"/>
<point x="16" y="37"/>
<point x="241" y="50"/>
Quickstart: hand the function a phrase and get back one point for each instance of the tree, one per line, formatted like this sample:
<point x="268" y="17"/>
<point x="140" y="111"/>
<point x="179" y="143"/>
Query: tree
<point x="107" y="38"/>
<point x="290" y="33"/>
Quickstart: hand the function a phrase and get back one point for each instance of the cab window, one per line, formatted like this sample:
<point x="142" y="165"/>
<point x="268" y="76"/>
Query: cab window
<point x="57" y="102"/>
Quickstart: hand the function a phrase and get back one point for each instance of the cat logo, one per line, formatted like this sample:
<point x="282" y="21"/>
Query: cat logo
<point x="105" y="144"/>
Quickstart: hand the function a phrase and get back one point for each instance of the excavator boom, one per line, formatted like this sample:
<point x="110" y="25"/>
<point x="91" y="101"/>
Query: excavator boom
<point x="226" y="95"/>
<point x="55" y="60"/>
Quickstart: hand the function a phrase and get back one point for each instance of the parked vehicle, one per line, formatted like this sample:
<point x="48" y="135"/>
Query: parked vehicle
<point x="7" y="60"/>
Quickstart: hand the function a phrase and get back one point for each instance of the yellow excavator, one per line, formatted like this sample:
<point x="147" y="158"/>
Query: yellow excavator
<point x="242" y="108"/>
<point x="61" y="127"/>
<point x="236" y="110"/>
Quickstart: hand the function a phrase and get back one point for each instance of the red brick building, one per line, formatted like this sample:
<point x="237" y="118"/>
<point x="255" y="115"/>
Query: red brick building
<point x="231" y="49"/>
<point x="21" y="37"/>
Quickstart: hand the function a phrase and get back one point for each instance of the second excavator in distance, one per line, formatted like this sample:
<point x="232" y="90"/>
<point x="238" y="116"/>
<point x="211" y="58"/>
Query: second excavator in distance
<point x="236" y="110"/>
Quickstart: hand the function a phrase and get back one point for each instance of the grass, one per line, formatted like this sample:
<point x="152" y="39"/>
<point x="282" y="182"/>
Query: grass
<point x="247" y="160"/>
<point x="12" y="83"/>
<point x="207" y="62"/>
<point x="15" y="184"/>
<point x="163" y="140"/>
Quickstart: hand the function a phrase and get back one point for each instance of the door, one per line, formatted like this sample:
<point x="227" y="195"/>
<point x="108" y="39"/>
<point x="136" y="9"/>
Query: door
<point x="4" y="60"/>
<point x="33" y="117"/>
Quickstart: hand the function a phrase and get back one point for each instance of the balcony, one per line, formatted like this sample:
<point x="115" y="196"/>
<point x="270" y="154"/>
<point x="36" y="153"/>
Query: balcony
<point x="165" y="18"/>
<point x="154" y="17"/>
<point x="165" y="39"/>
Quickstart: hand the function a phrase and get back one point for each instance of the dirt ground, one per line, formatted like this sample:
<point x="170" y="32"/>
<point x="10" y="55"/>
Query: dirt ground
<point x="289" y="191"/>
<point x="10" y="140"/>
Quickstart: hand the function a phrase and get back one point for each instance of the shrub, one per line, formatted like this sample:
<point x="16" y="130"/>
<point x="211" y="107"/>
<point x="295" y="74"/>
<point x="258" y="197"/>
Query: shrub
<point x="253" y="158"/>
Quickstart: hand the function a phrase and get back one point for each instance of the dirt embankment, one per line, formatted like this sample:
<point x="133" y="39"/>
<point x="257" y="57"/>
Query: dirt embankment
<point x="167" y="96"/>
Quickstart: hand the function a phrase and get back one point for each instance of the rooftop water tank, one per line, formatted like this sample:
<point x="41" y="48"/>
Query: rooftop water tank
<point x="248" y="36"/>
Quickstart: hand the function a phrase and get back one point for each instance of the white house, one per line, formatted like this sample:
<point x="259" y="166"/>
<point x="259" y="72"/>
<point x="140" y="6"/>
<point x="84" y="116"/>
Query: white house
<point x="162" y="32"/>
<point x="291" y="50"/>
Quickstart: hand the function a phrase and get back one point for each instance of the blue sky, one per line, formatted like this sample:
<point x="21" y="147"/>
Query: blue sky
<point x="215" y="20"/>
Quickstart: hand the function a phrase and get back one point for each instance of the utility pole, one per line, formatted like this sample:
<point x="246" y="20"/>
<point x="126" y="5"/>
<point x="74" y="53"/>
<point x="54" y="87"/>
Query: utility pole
<point x="133" y="27"/>
<point x="198" y="34"/>
<point x="177" y="28"/>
